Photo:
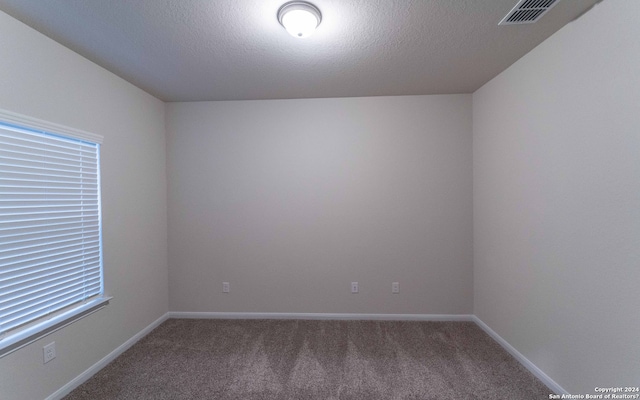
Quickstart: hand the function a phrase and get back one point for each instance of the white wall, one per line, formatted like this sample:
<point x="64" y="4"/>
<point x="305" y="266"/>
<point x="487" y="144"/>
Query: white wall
<point x="42" y="79"/>
<point x="557" y="201"/>
<point x="291" y="200"/>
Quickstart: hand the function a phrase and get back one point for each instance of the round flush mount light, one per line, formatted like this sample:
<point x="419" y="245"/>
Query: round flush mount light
<point x="299" y="18"/>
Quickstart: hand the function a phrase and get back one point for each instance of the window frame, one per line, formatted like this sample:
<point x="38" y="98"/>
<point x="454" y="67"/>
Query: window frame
<point x="19" y="337"/>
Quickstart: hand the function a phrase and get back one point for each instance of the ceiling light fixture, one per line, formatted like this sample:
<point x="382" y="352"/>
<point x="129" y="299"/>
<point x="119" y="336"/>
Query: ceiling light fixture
<point x="299" y="18"/>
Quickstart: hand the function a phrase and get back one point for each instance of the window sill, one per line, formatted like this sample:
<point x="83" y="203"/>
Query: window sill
<point x="29" y="335"/>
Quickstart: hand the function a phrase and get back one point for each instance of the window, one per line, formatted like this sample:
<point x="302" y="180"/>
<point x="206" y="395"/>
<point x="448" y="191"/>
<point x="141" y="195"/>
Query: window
<point x="50" y="228"/>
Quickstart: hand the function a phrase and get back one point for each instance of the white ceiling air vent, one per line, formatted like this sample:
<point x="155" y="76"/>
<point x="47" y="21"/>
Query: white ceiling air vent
<point x="527" y="11"/>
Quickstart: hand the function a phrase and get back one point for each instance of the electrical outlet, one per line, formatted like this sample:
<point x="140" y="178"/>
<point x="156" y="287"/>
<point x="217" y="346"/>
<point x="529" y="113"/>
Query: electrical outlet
<point x="49" y="352"/>
<point x="354" y="287"/>
<point x="226" y="287"/>
<point x="395" y="287"/>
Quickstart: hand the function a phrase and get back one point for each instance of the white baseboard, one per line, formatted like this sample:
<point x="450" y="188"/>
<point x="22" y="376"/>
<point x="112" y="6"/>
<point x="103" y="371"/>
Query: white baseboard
<point x="80" y="379"/>
<point x="555" y="387"/>
<point x="322" y="316"/>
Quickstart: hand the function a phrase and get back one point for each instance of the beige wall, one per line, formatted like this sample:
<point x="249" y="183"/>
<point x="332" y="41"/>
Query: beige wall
<point x="291" y="200"/>
<point x="42" y="79"/>
<point x="557" y="201"/>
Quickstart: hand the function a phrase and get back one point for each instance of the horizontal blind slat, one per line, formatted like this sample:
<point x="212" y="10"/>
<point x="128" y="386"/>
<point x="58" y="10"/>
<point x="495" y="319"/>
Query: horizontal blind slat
<point x="49" y="222"/>
<point x="73" y="189"/>
<point x="42" y="164"/>
<point x="42" y="136"/>
<point x="7" y="252"/>
<point x="39" y="302"/>
<point x="20" y="238"/>
<point x="42" y="156"/>
<point x="14" y="217"/>
<point x="34" y="295"/>
<point x="32" y="273"/>
<point x="47" y="181"/>
<point x="17" y="209"/>
<point x="29" y="260"/>
<point x="54" y="304"/>
<point x="25" y="288"/>
<point x="25" y="175"/>
<point x="44" y="231"/>
<point x="58" y="147"/>
<point x="11" y="156"/>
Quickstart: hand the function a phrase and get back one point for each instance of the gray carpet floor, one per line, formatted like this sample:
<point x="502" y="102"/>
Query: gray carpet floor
<point x="295" y="359"/>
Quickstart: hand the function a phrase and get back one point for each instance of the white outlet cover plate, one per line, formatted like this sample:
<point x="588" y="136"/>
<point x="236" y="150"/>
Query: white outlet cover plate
<point x="354" y="287"/>
<point x="49" y="352"/>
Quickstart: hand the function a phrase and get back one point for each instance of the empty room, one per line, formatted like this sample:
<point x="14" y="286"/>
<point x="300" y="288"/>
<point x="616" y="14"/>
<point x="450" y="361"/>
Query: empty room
<point x="323" y="199"/>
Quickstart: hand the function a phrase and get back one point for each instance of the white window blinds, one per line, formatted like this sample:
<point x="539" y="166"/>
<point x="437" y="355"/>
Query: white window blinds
<point x="50" y="225"/>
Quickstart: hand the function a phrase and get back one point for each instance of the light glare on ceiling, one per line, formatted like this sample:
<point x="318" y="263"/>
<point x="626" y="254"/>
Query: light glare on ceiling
<point x="299" y="18"/>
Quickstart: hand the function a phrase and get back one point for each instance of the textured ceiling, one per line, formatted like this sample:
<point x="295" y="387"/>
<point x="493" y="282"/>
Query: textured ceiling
<point x="191" y="50"/>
